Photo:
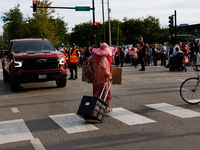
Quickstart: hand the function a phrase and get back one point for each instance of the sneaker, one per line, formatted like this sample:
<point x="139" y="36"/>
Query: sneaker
<point x="70" y="78"/>
<point x="75" y="78"/>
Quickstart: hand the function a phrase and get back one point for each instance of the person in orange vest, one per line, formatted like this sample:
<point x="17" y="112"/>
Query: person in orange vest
<point x="73" y="61"/>
<point x="66" y="53"/>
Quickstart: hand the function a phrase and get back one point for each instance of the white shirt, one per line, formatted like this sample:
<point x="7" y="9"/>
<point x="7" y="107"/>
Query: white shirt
<point x="174" y="49"/>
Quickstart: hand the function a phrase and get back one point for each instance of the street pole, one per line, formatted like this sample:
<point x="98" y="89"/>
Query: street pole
<point x="175" y="27"/>
<point x="109" y="25"/>
<point x="104" y="31"/>
<point x="94" y="38"/>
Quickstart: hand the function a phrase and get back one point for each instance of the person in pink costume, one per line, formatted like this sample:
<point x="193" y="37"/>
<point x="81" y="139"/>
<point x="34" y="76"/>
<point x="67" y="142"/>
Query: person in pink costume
<point x="101" y="62"/>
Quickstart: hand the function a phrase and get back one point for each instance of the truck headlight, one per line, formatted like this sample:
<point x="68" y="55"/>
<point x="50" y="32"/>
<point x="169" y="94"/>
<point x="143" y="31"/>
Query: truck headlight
<point x="18" y="63"/>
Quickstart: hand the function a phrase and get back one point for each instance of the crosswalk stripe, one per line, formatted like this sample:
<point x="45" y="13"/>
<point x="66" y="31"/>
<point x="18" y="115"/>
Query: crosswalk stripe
<point x="14" y="131"/>
<point x="129" y="117"/>
<point x="174" y="110"/>
<point x="37" y="144"/>
<point x="72" y="123"/>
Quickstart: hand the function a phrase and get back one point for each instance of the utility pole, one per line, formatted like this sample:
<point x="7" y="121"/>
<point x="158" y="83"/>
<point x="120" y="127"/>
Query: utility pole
<point x="175" y="27"/>
<point x="109" y="25"/>
<point x="104" y="31"/>
<point x="94" y="43"/>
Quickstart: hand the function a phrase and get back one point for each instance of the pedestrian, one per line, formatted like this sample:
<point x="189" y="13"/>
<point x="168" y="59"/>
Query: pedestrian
<point x="150" y="56"/>
<point x="126" y="52"/>
<point x="163" y="51"/>
<point x="101" y="66"/>
<point x="154" y="53"/>
<point x="197" y="51"/>
<point x="117" y="55"/>
<point x="87" y="54"/>
<point x="192" y="49"/>
<point x="134" y="56"/>
<point x="73" y="61"/>
<point x="177" y="45"/>
<point x="141" y="53"/>
<point x="122" y="55"/>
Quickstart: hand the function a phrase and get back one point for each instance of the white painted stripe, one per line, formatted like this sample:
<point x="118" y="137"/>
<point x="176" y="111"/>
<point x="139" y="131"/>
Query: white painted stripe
<point x="37" y="144"/>
<point x="72" y="123"/>
<point x="174" y="110"/>
<point x="128" y="117"/>
<point x="14" y="131"/>
<point x="14" y="110"/>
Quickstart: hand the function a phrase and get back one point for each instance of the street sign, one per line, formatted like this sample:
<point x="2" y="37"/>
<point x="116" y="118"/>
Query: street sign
<point x="82" y="8"/>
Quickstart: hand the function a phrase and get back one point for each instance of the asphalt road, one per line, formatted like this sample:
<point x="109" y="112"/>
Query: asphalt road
<point x="149" y="114"/>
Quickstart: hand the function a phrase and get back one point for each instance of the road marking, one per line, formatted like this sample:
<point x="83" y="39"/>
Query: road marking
<point x="14" y="110"/>
<point x="14" y="131"/>
<point x="37" y="144"/>
<point x="128" y="117"/>
<point x="1" y="69"/>
<point x="72" y="123"/>
<point x="174" y="110"/>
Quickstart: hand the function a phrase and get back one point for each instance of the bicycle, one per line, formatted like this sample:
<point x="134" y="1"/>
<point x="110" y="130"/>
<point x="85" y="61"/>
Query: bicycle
<point x="190" y="89"/>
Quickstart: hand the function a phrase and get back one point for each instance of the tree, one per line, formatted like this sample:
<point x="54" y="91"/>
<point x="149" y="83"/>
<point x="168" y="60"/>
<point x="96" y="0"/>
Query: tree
<point x="41" y="24"/>
<point x="82" y="34"/>
<point x="13" y="20"/>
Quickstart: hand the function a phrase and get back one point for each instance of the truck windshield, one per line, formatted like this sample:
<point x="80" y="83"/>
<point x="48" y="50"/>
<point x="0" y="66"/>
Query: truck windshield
<point x="23" y="46"/>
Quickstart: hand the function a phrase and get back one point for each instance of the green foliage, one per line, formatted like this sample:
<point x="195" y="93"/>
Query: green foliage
<point x="13" y="24"/>
<point x="41" y="25"/>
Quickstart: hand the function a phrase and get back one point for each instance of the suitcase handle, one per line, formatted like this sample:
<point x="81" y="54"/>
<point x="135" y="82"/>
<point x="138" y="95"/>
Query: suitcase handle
<point x="107" y="91"/>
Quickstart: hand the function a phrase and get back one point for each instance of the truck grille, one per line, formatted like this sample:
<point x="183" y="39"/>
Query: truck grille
<point x="40" y="64"/>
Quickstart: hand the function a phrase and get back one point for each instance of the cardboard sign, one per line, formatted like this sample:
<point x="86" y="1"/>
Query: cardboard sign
<point x="116" y="74"/>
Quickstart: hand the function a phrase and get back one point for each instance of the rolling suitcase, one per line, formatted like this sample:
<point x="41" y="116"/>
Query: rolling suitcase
<point x="93" y="108"/>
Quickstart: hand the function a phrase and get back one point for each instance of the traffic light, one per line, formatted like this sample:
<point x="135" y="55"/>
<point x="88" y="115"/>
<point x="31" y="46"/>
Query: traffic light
<point x="34" y="6"/>
<point x="95" y="29"/>
<point x="171" y="22"/>
<point x="171" y="26"/>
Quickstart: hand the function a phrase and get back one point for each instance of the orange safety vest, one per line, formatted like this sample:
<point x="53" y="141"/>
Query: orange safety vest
<point x="73" y="57"/>
<point x="66" y="55"/>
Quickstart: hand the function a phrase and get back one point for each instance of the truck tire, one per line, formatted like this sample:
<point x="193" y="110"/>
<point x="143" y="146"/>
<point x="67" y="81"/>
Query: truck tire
<point x="61" y="82"/>
<point x="14" y="84"/>
<point x="6" y="77"/>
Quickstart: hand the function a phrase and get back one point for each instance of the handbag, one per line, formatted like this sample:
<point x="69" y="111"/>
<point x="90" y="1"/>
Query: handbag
<point x="88" y="75"/>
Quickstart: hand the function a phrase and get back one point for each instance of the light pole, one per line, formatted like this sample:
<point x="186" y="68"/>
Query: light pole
<point x="104" y="32"/>
<point x="109" y="25"/>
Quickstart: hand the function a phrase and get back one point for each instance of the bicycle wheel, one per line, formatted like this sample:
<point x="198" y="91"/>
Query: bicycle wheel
<point x="188" y="92"/>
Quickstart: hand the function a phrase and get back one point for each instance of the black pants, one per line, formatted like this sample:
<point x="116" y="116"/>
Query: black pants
<point x="73" y="66"/>
<point x="141" y="60"/>
<point x="163" y="59"/>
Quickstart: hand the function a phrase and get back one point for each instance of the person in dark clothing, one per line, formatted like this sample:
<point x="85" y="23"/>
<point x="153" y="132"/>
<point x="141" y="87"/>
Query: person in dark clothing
<point x="122" y="55"/>
<point x="141" y="54"/>
<point x="154" y="54"/>
<point x="87" y="54"/>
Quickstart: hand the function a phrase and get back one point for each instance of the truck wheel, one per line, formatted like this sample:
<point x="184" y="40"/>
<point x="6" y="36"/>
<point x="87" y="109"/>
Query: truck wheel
<point x="6" y="77"/>
<point x="61" y="82"/>
<point x="14" y="85"/>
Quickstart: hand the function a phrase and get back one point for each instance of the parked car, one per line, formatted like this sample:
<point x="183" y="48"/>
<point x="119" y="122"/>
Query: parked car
<point x="33" y="60"/>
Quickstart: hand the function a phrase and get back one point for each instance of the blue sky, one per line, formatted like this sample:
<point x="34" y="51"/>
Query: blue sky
<point x="187" y="10"/>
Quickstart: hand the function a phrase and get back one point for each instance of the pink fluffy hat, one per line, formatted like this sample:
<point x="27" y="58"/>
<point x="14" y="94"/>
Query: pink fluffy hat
<point x="104" y="50"/>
